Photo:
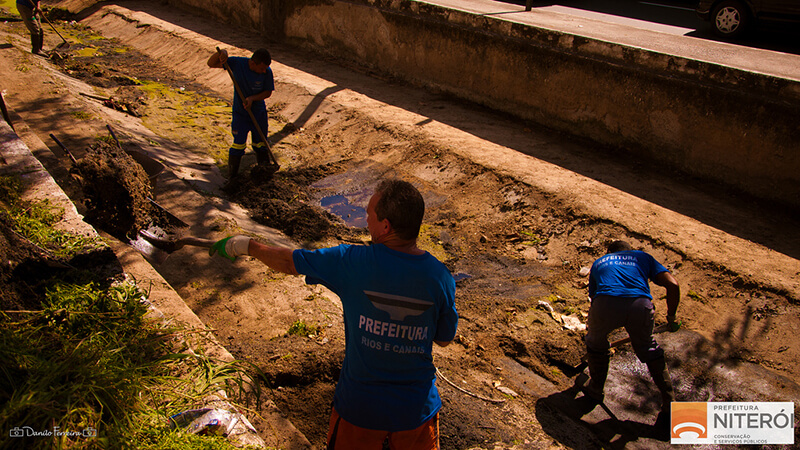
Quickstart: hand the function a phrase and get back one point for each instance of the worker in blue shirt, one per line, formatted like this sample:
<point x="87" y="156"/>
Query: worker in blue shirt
<point x="398" y="301"/>
<point x="254" y="77"/>
<point x="619" y="290"/>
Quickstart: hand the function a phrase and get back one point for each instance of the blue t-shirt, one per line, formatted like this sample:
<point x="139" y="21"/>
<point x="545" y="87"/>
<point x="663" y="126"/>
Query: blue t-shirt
<point x="395" y="305"/>
<point x="624" y="274"/>
<point x="250" y="83"/>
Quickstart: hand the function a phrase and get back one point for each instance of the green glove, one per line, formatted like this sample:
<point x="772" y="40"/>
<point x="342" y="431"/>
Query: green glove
<point x="231" y="247"/>
<point x="674" y="326"/>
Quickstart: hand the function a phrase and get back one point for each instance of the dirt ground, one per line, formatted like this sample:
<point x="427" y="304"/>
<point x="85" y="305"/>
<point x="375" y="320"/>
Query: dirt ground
<point x="520" y="253"/>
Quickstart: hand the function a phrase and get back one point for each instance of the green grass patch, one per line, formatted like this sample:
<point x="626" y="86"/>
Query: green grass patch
<point x="430" y="242"/>
<point x="80" y="115"/>
<point x="531" y="238"/>
<point x="35" y="220"/>
<point x="9" y="5"/>
<point x="197" y="122"/>
<point x="88" y="52"/>
<point x="300" y="328"/>
<point x="10" y="188"/>
<point x="696" y="296"/>
<point x="91" y="365"/>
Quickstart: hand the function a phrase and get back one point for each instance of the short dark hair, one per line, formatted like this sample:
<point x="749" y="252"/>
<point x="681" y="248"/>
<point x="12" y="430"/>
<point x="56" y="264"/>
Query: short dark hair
<point x="402" y="204"/>
<point x="619" y="246"/>
<point x="262" y="56"/>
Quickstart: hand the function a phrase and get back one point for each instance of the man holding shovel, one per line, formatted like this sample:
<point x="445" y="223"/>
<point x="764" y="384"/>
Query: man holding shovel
<point x="28" y="9"/>
<point x="254" y="83"/>
<point x="620" y="293"/>
<point x="398" y="301"/>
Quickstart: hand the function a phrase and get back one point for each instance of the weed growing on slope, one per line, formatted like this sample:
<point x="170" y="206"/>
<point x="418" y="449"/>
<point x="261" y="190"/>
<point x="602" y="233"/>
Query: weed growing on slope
<point x="84" y="364"/>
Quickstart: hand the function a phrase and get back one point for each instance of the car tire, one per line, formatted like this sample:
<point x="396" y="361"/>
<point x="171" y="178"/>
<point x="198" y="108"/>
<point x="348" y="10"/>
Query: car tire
<point x="730" y="18"/>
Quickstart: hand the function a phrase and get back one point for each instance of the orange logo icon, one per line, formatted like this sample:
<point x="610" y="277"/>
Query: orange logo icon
<point x="689" y="420"/>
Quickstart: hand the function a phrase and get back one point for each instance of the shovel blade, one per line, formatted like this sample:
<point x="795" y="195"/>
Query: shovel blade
<point x="151" y="253"/>
<point x="154" y="240"/>
<point x="153" y="244"/>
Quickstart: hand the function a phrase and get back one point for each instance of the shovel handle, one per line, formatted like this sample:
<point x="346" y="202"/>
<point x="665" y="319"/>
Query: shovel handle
<point x="110" y="130"/>
<point x="41" y="13"/>
<point x="195" y="242"/>
<point x="66" y="150"/>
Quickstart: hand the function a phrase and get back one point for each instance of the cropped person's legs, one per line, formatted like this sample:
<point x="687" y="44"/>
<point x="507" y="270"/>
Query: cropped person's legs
<point x="640" y="329"/>
<point x="37" y="35"/>
<point x="605" y="315"/>
<point x="240" y="130"/>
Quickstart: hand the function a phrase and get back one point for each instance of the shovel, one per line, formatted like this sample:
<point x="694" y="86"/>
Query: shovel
<point x="273" y="163"/>
<point x="157" y="249"/>
<point x="63" y="45"/>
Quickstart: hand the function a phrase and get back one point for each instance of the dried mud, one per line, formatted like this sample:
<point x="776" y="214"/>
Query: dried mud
<point x="117" y="192"/>
<point x="282" y="202"/>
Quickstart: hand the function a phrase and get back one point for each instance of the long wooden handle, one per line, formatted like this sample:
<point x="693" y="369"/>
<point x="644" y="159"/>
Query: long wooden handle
<point x="41" y="13"/>
<point x="195" y="242"/>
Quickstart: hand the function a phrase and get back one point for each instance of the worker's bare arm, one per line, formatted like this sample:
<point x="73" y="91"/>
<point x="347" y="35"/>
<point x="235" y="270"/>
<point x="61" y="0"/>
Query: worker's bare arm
<point x="668" y="281"/>
<point x="217" y="59"/>
<point x="276" y="258"/>
<point x="260" y="96"/>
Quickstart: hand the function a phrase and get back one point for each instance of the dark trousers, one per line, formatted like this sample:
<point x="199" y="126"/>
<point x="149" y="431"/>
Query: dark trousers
<point x="30" y="22"/>
<point x="636" y="315"/>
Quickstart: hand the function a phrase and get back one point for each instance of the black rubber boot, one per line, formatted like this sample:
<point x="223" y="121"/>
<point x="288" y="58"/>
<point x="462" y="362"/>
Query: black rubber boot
<point x="234" y="161"/>
<point x="660" y="373"/>
<point x="598" y="372"/>
<point x="37" y="41"/>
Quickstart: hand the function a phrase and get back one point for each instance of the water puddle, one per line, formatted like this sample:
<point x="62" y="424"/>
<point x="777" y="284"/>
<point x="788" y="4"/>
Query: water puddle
<point x="339" y="205"/>
<point x="347" y="194"/>
<point x="461" y="276"/>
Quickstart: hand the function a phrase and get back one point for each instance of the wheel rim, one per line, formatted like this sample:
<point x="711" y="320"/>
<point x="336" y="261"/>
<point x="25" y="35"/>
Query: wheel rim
<point x="728" y="19"/>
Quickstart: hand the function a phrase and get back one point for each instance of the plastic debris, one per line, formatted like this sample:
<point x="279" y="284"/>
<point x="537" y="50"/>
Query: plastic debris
<point x="507" y="391"/>
<point x="215" y="421"/>
<point x="573" y="323"/>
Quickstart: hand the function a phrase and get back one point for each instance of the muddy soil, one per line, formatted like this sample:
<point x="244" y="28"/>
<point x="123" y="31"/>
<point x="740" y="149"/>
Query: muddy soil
<point x="116" y="191"/>
<point x="520" y="256"/>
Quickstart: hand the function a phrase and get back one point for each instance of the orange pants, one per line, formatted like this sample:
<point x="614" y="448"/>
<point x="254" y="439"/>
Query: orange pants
<point x="344" y="435"/>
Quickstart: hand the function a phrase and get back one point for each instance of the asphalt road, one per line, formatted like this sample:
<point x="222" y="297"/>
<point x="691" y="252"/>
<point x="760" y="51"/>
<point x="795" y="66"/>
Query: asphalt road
<point x="670" y="16"/>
